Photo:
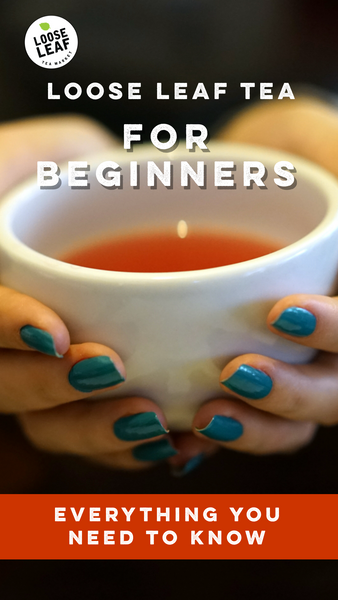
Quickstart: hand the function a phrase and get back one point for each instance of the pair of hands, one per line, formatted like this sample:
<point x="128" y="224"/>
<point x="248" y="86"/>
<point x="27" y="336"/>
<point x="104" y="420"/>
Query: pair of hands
<point x="264" y="405"/>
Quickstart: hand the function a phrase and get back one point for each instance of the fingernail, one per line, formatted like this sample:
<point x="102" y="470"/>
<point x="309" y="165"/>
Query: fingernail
<point x="39" y="340"/>
<point x="94" y="373"/>
<point x="222" y="429"/>
<point x="296" y="321"/>
<point x="154" y="451"/>
<point x="249" y="382"/>
<point x="141" y="426"/>
<point x="189" y="466"/>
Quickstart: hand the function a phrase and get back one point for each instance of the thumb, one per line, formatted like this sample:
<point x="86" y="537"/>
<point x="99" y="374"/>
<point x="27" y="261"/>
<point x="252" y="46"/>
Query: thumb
<point x="57" y="138"/>
<point x="306" y="126"/>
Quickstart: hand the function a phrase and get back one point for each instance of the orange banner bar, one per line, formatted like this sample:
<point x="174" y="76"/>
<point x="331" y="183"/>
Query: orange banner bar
<point x="177" y="526"/>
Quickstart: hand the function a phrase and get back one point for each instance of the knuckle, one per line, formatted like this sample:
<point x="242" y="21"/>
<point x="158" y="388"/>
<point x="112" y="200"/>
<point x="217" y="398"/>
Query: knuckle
<point x="256" y="447"/>
<point x="284" y="440"/>
<point x="304" y="437"/>
<point x="292" y="405"/>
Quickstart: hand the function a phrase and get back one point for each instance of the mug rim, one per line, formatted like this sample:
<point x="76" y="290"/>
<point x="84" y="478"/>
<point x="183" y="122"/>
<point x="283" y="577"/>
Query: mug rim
<point x="313" y="173"/>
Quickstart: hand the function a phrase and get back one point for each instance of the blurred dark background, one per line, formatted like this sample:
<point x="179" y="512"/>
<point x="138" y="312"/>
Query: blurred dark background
<point x="169" y="41"/>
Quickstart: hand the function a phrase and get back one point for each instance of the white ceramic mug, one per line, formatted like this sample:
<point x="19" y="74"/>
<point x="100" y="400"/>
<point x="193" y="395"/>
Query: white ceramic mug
<point x="175" y="331"/>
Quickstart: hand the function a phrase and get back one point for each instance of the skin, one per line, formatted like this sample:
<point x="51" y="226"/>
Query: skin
<point x="54" y="416"/>
<point x="57" y="418"/>
<point x="302" y="396"/>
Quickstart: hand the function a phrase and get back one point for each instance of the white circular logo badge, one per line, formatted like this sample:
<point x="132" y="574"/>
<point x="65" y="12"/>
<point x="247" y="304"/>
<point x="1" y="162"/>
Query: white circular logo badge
<point x="51" y="42"/>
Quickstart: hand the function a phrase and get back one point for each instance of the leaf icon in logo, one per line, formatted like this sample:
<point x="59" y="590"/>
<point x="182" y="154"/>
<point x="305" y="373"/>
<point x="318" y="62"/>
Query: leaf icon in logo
<point x="45" y="26"/>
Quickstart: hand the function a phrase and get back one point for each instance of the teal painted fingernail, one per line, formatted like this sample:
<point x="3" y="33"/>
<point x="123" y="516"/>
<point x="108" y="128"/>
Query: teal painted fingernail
<point x="39" y="340"/>
<point x="94" y="373"/>
<point x="296" y="321"/>
<point x="249" y="382"/>
<point x="222" y="429"/>
<point x="189" y="466"/>
<point x="141" y="426"/>
<point x="154" y="451"/>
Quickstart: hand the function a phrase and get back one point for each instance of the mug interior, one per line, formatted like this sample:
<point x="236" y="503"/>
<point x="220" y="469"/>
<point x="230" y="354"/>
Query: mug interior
<point x="56" y="221"/>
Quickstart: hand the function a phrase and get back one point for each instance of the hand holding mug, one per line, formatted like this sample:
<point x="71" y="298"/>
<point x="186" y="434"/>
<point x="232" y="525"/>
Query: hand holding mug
<point x="276" y="407"/>
<point x="45" y="380"/>
<point x="267" y="430"/>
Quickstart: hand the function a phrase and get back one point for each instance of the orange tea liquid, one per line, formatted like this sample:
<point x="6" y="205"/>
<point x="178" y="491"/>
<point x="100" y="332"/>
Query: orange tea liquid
<point x="166" y="252"/>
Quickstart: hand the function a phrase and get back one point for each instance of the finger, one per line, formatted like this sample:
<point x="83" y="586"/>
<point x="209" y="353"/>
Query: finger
<point x="96" y="427"/>
<point x="297" y="392"/>
<point x="126" y="460"/>
<point x="26" y="324"/>
<point x="60" y="137"/>
<point x="31" y="381"/>
<point x="237" y="426"/>
<point x="308" y="320"/>
<point x="123" y="461"/>
<point x="286" y="126"/>
<point x="192" y="452"/>
<point x="142" y="457"/>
